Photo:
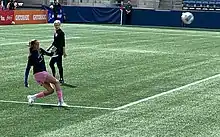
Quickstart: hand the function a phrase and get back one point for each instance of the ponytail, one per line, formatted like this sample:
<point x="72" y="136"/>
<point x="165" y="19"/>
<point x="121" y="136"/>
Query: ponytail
<point x="31" y="45"/>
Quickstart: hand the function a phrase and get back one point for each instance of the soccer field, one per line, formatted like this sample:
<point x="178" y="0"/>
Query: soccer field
<point x="120" y="81"/>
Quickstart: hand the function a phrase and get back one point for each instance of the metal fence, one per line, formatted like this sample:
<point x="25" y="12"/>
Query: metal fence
<point x="110" y="3"/>
<point x="146" y="4"/>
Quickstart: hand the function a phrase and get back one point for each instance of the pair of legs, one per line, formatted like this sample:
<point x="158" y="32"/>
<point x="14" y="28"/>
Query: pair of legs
<point x="46" y="80"/>
<point x="55" y="16"/>
<point x="57" y="60"/>
<point x="128" y="19"/>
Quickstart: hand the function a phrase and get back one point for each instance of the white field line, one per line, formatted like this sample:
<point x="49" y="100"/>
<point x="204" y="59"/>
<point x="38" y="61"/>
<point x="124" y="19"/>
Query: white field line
<point x="55" y="105"/>
<point x="100" y="28"/>
<point x="26" y="42"/>
<point x="156" y="29"/>
<point x="22" y="34"/>
<point x="141" y="50"/>
<point x="171" y="33"/>
<point x="144" y="41"/>
<point x="151" y="31"/>
<point x="167" y="92"/>
<point x="91" y="42"/>
<point x="29" y="29"/>
<point x="26" y="29"/>
<point x="160" y="74"/>
<point x="69" y="38"/>
<point x="95" y="47"/>
<point x="124" y="106"/>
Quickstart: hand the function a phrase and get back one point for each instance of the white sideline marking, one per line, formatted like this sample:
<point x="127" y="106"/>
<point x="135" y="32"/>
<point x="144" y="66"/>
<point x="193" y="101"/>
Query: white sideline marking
<point x="167" y="92"/>
<point x="45" y="40"/>
<point x="124" y="106"/>
<point x="55" y="105"/>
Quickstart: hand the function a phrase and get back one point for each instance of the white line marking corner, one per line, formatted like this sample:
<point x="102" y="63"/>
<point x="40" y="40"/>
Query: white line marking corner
<point x="124" y="106"/>
<point x="55" y="105"/>
<point x="167" y="92"/>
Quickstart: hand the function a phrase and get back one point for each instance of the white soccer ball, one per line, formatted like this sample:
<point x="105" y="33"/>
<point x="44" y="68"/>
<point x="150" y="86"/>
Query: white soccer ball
<point x="12" y="22"/>
<point x="187" y="17"/>
<point x="51" y="6"/>
<point x="20" y="4"/>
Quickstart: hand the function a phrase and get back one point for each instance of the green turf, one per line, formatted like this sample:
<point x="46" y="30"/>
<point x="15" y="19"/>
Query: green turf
<point x="112" y="66"/>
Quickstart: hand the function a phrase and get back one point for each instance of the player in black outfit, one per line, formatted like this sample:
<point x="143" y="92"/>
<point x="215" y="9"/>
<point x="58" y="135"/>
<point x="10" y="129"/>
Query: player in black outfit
<point x="59" y="46"/>
<point x="36" y="59"/>
<point x="56" y="8"/>
<point x="11" y="5"/>
<point x="128" y="11"/>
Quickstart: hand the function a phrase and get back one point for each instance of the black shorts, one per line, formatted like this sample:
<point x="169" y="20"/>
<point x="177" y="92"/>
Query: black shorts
<point x="57" y="59"/>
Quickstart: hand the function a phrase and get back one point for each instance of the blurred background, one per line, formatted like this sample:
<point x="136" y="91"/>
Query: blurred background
<point x="145" y="4"/>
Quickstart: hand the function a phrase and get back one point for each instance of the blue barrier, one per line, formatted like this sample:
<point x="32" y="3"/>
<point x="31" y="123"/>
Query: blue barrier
<point x="172" y="18"/>
<point x="203" y="19"/>
<point x="51" y="14"/>
<point x="92" y="14"/>
<point x="156" y="18"/>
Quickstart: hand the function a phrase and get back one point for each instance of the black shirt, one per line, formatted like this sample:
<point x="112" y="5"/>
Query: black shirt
<point x="59" y="41"/>
<point x="56" y="7"/>
<point x="128" y="7"/>
<point x="36" y="59"/>
<point x="11" y="6"/>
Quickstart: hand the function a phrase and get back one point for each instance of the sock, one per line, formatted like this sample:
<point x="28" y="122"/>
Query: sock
<point x="60" y="95"/>
<point x="39" y="95"/>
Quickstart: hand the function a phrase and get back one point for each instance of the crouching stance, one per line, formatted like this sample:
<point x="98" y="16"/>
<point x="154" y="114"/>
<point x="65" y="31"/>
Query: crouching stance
<point x="36" y="59"/>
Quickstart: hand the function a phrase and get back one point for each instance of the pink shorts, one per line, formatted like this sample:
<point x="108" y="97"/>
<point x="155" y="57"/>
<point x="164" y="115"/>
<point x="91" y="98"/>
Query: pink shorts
<point x="40" y="77"/>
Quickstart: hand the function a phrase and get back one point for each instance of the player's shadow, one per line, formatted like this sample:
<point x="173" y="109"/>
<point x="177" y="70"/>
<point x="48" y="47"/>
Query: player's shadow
<point x="49" y="106"/>
<point x="68" y="85"/>
<point x="52" y="107"/>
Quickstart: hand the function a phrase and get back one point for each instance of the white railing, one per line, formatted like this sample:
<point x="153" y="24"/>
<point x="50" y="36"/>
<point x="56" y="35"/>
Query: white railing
<point x="146" y="4"/>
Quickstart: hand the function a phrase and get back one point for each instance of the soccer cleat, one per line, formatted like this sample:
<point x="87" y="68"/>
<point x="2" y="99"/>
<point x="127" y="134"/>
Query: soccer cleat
<point x="62" y="104"/>
<point x="61" y="81"/>
<point x="30" y="99"/>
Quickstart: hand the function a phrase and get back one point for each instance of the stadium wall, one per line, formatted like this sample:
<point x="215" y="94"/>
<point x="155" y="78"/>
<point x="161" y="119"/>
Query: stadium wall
<point x="8" y="17"/>
<point x="203" y="19"/>
<point x="80" y="14"/>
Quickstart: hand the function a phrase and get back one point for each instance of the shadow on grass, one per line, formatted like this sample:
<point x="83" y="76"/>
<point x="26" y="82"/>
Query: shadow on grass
<point x="49" y="106"/>
<point x="68" y="85"/>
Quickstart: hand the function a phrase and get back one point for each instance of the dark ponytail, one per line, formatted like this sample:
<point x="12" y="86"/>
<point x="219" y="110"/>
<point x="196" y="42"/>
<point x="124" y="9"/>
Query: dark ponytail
<point x="31" y="45"/>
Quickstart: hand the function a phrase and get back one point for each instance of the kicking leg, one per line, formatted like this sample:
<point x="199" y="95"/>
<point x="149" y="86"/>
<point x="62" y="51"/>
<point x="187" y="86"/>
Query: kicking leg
<point x="49" y="90"/>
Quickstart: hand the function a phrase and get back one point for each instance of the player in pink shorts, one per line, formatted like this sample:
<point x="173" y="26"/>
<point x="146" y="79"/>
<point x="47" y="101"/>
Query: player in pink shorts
<point x="36" y="59"/>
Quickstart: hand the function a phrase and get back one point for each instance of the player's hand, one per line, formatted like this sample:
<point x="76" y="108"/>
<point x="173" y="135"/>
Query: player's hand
<point x="64" y="55"/>
<point x="54" y="49"/>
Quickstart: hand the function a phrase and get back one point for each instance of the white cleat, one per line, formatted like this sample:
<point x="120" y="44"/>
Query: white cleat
<point x="62" y="104"/>
<point x="30" y="99"/>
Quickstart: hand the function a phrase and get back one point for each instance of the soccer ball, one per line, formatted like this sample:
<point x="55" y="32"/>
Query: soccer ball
<point x="12" y="22"/>
<point x="187" y="17"/>
<point x="51" y="6"/>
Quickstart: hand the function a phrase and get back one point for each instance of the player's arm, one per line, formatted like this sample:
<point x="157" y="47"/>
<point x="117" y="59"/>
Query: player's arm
<point x="48" y="49"/>
<point x="8" y="5"/>
<point x="26" y="74"/>
<point x="44" y="52"/>
<point x="63" y="44"/>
